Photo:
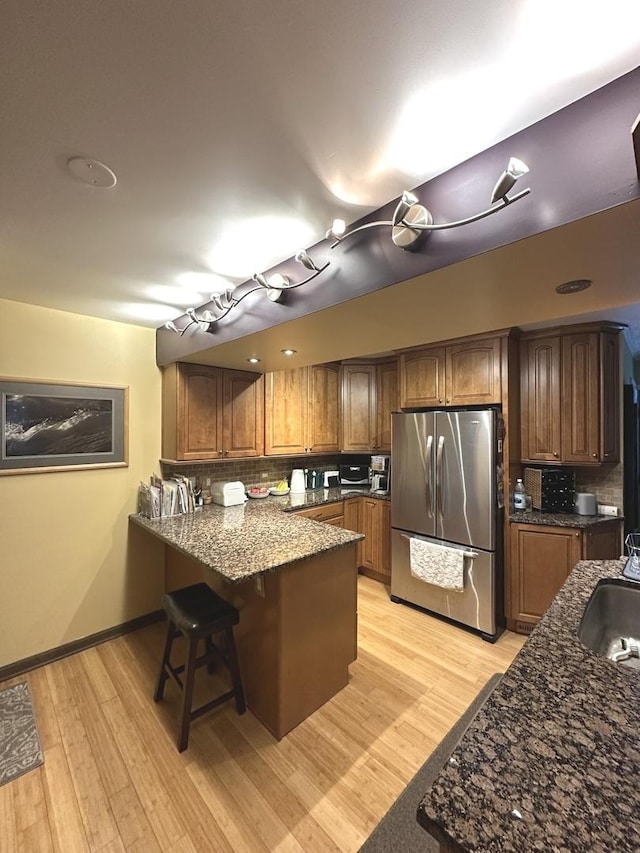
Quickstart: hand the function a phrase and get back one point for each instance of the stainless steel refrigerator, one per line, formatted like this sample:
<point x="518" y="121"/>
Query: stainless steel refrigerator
<point x="445" y="467"/>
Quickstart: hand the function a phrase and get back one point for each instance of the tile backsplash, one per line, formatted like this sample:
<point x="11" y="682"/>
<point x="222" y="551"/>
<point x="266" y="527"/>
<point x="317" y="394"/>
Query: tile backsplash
<point x="605" y="483"/>
<point x="251" y="471"/>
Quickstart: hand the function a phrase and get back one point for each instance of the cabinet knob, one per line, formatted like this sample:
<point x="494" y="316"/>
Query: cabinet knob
<point x="577" y="534"/>
<point x="226" y="453"/>
<point x="448" y="401"/>
<point x="440" y="400"/>
<point x="594" y="454"/>
<point x="220" y="453"/>
<point x="556" y="455"/>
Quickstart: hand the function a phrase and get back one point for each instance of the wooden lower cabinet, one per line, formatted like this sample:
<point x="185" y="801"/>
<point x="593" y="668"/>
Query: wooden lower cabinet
<point x="330" y="513"/>
<point x="541" y="558"/>
<point x="364" y="515"/>
<point x="375" y="549"/>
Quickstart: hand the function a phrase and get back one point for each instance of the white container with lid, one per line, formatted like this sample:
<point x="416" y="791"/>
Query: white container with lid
<point x="585" y="503"/>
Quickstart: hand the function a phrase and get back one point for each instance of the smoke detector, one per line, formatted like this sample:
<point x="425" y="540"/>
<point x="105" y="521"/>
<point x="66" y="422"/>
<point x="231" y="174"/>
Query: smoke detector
<point x="92" y="172"/>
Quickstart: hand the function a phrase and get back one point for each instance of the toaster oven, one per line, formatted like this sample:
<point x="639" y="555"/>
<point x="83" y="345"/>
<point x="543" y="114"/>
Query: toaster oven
<point x="354" y="475"/>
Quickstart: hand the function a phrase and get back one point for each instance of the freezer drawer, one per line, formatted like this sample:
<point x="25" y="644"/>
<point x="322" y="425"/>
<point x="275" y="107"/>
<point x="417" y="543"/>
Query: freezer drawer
<point x="475" y="606"/>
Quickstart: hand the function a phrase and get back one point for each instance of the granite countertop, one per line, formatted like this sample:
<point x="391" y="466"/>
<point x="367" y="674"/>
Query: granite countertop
<point x="561" y="519"/>
<point x="239" y="542"/>
<point x="318" y="497"/>
<point x="551" y="761"/>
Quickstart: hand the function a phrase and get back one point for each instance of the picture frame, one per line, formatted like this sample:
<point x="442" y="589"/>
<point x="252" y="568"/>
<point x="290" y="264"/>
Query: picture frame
<point x="50" y="426"/>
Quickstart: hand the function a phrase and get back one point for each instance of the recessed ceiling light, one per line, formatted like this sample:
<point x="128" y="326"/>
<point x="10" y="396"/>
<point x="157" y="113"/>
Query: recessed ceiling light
<point x="254" y="360"/>
<point x="92" y="172"/>
<point x="288" y="351"/>
<point x="573" y="286"/>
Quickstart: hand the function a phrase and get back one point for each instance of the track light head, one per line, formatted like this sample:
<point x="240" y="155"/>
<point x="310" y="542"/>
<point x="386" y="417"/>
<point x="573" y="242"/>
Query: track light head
<point x="303" y="258"/>
<point x="515" y="169"/>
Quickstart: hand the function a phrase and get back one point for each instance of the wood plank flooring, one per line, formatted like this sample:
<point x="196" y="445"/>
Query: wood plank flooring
<point x="113" y="781"/>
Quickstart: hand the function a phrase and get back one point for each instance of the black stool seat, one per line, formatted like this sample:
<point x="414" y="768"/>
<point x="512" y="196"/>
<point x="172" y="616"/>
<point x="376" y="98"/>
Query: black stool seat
<point x="197" y="609"/>
<point x="198" y="613"/>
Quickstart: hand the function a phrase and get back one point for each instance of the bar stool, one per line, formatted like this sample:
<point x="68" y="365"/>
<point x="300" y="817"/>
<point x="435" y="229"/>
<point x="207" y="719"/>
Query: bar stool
<point x="198" y="613"/>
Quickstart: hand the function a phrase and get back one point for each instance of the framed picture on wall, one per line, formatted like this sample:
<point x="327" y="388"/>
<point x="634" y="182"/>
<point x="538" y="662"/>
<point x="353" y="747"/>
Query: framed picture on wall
<point x="61" y="426"/>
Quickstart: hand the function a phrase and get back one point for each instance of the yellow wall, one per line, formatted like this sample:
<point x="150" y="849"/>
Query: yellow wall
<point x="69" y="566"/>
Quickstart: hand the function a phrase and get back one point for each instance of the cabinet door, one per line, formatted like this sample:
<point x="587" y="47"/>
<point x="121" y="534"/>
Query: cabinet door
<point x="580" y="410"/>
<point x="540" y="421"/>
<point x="352" y="520"/>
<point x="473" y="373"/>
<point x="384" y="539"/>
<point x="610" y="382"/>
<point x="324" y="408"/>
<point x="422" y="377"/>
<point x="541" y="559"/>
<point x="243" y="416"/>
<point x="603" y="541"/>
<point x="286" y="411"/>
<point x="386" y="402"/>
<point x="198" y="412"/>
<point x="358" y="407"/>
<point x="370" y="524"/>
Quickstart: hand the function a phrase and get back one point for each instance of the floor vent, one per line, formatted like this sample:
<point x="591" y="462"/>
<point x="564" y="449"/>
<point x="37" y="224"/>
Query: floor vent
<point x="524" y="627"/>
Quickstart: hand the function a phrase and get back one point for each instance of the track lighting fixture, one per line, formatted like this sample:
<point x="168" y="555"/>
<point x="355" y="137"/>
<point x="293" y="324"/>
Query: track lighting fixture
<point x="412" y="223"/>
<point x="275" y="287"/>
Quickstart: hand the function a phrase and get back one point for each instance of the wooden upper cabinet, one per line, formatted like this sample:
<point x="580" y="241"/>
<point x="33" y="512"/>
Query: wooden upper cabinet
<point x="358" y="407"/>
<point x="580" y="411"/>
<point x="540" y="360"/>
<point x="422" y="378"/>
<point x="285" y="420"/>
<point x="386" y="402"/>
<point x="210" y="413"/>
<point x="369" y="395"/>
<point x="473" y="373"/>
<point x="323" y="426"/>
<point x="243" y="414"/>
<point x="571" y="395"/>
<point x="610" y="388"/>
<point x="302" y="410"/>
<point x="464" y="374"/>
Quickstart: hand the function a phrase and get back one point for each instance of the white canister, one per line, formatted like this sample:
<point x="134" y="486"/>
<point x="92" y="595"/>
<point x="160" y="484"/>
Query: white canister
<point x="298" y="484"/>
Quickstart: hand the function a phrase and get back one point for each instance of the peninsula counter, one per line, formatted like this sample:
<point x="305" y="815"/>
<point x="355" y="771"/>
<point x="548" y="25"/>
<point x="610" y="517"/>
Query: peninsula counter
<point x="294" y="582"/>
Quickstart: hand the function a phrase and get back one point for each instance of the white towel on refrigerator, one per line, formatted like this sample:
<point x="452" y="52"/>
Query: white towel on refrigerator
<point x="437" y="564"/>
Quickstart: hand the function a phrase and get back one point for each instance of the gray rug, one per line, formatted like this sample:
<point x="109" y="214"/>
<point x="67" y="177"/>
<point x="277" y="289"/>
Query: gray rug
<point x="399" y="828"/>
<point x="19" y="743"/>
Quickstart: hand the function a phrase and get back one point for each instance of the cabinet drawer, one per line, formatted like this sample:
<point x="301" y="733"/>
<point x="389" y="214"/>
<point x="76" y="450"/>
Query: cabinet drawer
<point x="326" y="512"/>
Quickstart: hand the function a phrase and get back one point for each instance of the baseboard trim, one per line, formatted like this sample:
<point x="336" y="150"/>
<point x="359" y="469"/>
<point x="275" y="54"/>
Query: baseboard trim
<point x="43" y="658"/>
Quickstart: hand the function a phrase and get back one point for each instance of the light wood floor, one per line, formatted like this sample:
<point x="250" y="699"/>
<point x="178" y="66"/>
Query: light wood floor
<point x="112" y="779"/>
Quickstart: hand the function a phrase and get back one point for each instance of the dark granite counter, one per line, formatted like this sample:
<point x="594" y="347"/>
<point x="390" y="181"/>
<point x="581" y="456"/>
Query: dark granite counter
<point x="551" y="761"/>
<point x="242" y="541"/>
<point x="561" y="519"/>
<point x="318" y="497"/>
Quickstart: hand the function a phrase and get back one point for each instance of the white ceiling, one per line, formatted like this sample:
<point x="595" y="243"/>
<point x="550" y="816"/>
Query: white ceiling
<point x="239" y="129"/>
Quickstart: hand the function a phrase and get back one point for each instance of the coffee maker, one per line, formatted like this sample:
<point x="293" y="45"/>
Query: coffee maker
<point x="381" y="474"/>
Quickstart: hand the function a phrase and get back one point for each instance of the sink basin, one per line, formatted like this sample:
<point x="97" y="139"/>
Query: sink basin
<point x="610" y="624"/>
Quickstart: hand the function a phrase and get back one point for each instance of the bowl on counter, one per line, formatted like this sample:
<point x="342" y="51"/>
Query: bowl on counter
<point x="279" y="493"/>
<point x="264" y="494"/>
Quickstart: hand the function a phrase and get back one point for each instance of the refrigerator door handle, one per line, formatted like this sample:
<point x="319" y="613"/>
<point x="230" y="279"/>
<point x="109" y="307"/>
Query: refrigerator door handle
<point x="439" y="480"/>
<point x="429" y="477"/>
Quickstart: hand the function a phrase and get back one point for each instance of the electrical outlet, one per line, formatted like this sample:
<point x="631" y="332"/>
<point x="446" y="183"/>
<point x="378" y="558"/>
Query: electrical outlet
<point x="605" y="509"/>
<point x="264" y="476"/>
